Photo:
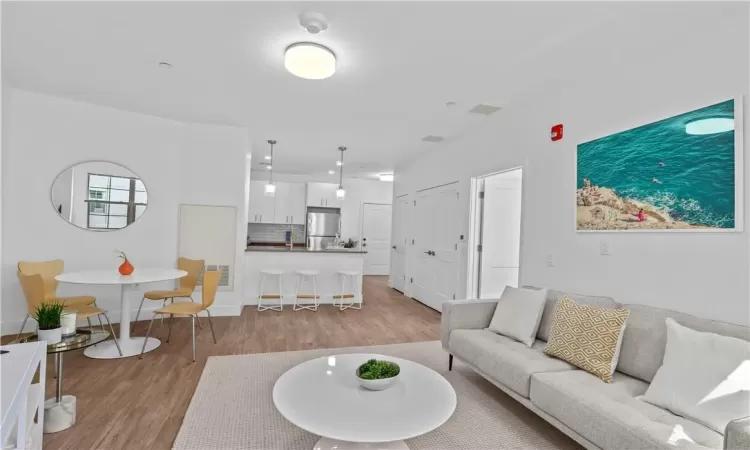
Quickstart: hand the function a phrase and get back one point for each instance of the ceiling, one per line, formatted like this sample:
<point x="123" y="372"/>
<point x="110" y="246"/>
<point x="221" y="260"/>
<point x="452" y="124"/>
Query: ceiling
<point x="398" y="65"/>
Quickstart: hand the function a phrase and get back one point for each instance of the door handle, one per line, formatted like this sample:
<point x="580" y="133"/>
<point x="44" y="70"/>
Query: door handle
<point x="428" y="253"/>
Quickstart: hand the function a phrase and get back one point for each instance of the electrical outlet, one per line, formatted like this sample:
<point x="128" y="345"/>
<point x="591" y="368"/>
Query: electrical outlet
<point x="550" y="261"/>
<point x="604" y="248"/>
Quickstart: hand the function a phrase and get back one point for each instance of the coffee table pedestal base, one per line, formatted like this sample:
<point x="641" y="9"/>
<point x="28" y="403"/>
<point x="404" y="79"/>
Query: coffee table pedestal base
<point x="333" y="444"/>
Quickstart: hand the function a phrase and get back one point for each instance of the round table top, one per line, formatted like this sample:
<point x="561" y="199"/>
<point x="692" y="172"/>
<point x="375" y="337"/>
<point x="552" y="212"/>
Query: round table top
<point x="323" y="396"/>
<point x="82" y="339"/>
<point x="113" y="276"/>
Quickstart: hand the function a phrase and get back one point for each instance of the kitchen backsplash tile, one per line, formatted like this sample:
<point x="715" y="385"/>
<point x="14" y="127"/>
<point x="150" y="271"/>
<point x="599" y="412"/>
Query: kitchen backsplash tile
<point x="274" y="232"/>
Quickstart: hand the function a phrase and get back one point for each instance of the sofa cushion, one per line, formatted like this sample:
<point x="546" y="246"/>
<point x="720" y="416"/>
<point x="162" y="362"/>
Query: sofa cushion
<point x="587" y="336"/>
<point x="645" y="338"/>
<point x="506" y="360"/>
<point x="610" y="416"/>
<point x="518" y="314"/>
<point x="549" y="308"/>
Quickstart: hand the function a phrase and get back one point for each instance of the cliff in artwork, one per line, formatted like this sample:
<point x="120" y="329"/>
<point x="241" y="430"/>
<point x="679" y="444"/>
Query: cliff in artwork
<point x="600" y="208"/>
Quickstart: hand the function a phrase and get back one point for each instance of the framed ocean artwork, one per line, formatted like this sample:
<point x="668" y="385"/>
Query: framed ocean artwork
<point x="682" y="173"/>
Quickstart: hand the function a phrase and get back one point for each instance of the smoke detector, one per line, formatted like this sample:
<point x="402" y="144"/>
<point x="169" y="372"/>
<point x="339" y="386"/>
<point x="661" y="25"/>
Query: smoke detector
<point x="313" y="22"/>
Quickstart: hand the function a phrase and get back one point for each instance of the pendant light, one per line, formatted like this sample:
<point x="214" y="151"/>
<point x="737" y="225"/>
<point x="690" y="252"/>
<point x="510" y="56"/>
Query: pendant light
<point x="270" y="187"/>
<point x="340" y="192"/>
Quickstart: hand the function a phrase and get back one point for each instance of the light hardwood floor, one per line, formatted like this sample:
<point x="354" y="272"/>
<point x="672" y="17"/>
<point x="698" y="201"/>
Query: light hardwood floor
<point x="131" y="403"/>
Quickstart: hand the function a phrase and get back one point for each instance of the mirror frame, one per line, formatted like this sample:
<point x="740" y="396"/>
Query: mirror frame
<point x="96" y="230"/>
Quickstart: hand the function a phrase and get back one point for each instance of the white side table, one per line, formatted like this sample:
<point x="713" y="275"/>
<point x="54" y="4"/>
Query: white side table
<point x="131" y="346"/>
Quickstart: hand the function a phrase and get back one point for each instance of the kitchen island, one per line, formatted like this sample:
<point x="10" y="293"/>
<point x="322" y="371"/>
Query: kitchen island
<point x="290" y="260"/>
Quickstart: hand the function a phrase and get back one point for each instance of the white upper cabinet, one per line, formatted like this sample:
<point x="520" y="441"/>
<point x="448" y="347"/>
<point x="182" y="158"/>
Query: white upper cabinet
<point x="287" y="206"/>
<point x="322" y="195"/>
<point x="261" y="208"/>
<point x="290" y="203"/>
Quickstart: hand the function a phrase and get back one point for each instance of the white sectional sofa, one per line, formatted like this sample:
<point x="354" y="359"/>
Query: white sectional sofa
<point x="595" y="414"/>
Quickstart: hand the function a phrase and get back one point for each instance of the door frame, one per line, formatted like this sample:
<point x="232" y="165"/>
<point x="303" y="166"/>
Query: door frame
<point x="362" y="226"/>
<point x="398" y="222"/>
<point x="473" y="266"/>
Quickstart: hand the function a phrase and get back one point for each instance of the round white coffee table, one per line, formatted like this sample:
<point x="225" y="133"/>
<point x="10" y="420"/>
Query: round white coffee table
<point x="130" y="346"/>
<point x="322" y="396"/>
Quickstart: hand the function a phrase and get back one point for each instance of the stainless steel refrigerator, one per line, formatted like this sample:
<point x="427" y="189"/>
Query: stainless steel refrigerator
<point x="323" y="225"/>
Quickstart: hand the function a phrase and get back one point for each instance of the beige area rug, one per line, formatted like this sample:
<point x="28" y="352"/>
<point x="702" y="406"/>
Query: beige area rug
<point x="232" y="407"/>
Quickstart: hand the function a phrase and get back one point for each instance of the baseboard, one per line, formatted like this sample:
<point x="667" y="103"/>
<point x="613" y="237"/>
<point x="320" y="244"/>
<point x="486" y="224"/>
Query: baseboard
<point x="14" y="326"/>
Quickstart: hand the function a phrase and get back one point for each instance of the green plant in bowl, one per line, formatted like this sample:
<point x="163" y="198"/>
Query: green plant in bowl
<point x="378" y="375"/>
<point x="48" y="315"/>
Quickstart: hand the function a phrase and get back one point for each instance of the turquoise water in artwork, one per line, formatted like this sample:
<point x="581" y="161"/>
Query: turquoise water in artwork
<point x="690" y="176"/>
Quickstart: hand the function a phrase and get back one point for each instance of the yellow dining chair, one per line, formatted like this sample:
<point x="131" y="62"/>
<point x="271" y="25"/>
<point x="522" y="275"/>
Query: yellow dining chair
<point x="48" y="270"/>
<point x="208" y="294"/>
<point x="193" y="267"/>
<point x="34" y="289"/>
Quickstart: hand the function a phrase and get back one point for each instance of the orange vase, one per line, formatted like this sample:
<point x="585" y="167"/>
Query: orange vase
<point x="126" y="268"/>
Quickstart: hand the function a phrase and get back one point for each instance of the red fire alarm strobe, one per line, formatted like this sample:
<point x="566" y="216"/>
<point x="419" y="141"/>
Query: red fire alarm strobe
<point x="556" y="133"/>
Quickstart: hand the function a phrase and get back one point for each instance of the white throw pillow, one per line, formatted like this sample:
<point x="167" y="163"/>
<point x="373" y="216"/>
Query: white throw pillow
<point x="705" y="377"/>
<point x="519" y="313"/>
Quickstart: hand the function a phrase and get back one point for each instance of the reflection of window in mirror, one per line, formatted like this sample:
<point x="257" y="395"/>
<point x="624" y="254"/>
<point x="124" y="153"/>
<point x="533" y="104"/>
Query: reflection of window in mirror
<point x="114" y="201"/>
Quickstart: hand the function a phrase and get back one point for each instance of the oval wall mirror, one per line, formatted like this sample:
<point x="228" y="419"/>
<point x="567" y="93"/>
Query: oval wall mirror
<point x="99" y="196"/>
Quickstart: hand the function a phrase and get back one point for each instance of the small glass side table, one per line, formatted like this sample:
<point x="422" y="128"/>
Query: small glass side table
<point x="60" y="411"/>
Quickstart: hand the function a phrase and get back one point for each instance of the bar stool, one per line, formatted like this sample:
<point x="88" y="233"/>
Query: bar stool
<point x="302" y="276"/>
<point x="353" y="278"/>
<point x="261" y="295"/>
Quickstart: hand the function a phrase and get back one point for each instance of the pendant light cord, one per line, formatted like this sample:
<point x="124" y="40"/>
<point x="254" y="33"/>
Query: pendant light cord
<point x="272" y="142"/>
<point x="341" y="171"/>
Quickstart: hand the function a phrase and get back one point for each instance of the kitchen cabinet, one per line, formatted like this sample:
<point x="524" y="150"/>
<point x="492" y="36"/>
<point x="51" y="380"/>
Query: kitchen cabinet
<point x="287" y="206"/>
<point x="322" y="195"/>
<point x="290" y="203"/>
<point x="261" y="208"/>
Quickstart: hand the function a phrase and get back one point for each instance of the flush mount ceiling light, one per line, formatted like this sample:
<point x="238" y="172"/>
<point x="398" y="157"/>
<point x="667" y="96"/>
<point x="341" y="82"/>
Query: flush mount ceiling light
<point x="386" y="177"/>
<point x="310" y="61"/>
<point x="340" y="192"/>
<point x="267" y="157"/>
<point x="710" y="125"/>
<point x="331" y="172"/>
<point x="270" y="190"/>
<point x="339" y="163"/>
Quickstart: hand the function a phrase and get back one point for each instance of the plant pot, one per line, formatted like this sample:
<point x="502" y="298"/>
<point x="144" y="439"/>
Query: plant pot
<point x="377" y="385"/>
<point x="126" y="268"/>
<point x="68" y="323"/>
<point x="52" y="336"/>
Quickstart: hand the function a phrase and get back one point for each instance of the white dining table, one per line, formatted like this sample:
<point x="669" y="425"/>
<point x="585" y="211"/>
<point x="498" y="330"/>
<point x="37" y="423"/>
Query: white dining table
<point x="130" y="346"/>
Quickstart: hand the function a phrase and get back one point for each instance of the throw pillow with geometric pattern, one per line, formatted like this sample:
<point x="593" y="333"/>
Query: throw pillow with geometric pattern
<point x="586" y="336"/>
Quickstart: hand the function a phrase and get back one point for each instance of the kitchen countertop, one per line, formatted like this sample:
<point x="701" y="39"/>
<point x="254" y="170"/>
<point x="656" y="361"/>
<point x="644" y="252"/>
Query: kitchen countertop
<point x="266" y="248"/>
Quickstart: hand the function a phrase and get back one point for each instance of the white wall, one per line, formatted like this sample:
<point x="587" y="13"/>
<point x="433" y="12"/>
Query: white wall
<point x="358" y="191"/>
<point x="48" y="134"/>
<point x="607" y="82"/>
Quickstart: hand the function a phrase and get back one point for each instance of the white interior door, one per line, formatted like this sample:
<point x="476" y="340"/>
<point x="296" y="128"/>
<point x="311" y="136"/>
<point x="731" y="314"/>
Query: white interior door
<point x="501" y="233"/>
<point x="400" y="244"/>
<point x="445" y="247"/>
<point x="376" y="238"/>
<point x="421" y="277"/>
<point x="436" y="242"/>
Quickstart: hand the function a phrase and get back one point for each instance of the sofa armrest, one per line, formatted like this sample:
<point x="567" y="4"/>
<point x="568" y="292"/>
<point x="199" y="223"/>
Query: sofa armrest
<point x="465" y="314"/>
<point x="737" y="434"/>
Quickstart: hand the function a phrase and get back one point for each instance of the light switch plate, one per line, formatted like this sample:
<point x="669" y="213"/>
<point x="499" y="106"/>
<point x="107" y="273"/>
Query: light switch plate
<point x="604" y="248"/>
<point x="550" y="261"/>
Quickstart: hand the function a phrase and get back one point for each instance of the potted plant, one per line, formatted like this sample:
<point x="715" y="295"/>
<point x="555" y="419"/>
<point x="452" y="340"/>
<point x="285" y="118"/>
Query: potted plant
<point x="377" y="375"/>
<point x="48" y="318"/>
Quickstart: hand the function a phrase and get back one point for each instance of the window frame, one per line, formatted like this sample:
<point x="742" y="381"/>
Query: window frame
<point x="130" y="204"/>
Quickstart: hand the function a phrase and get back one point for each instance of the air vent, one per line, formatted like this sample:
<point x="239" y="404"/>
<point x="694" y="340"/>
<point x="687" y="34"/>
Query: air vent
<point x="224" y="280"/>
<point x="485" y="110"/>
<point x="431" y="138"/>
